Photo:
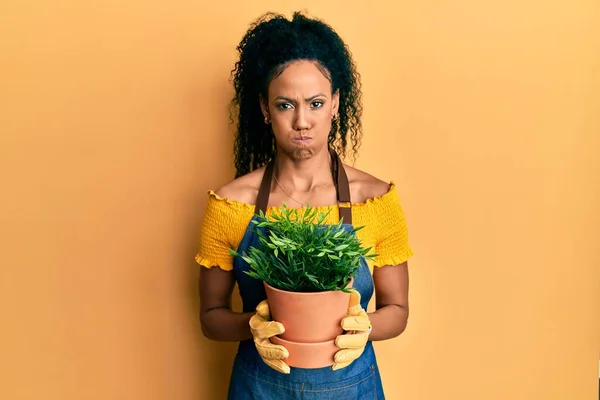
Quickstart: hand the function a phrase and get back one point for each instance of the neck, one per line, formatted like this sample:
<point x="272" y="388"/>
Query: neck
<point x="304" y="175"/>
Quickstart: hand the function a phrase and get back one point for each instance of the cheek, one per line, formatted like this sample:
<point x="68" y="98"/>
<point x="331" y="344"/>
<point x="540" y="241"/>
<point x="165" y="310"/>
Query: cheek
<point x="281" y="125"/>
<point x="281" y="121"/>
<point x="324" y="119"/>
<point x="325" y="116"/>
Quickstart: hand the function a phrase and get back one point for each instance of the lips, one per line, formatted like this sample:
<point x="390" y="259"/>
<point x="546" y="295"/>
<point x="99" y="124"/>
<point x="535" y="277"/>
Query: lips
<point x="302" y="139"/>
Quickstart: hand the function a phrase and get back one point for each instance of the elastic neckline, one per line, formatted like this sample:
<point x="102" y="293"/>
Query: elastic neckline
<point x="374" y="200"/>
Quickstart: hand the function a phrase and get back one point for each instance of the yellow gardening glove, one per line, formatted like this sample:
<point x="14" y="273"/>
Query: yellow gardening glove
<point x="262" y="329"/>
<point x="357" y="326"/>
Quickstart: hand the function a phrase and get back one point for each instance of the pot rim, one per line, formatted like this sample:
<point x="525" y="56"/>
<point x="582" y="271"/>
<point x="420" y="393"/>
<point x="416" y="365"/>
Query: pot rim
<point x="308" y="293"/>
<point x="303" y="344"/>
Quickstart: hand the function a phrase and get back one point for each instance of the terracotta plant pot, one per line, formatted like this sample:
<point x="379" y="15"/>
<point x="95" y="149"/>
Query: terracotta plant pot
<point x="308" y="317"/>
<point x="312" y="321"/>
<point x="308" y="355"/>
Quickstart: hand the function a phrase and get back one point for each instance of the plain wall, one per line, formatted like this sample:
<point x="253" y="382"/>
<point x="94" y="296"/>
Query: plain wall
<point x="113" y="127"/>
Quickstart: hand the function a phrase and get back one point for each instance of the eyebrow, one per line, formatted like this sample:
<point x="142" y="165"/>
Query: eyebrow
<point x="293" y="101"/>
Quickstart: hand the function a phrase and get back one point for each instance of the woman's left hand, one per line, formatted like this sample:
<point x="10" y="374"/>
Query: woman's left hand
<point x="357" y="326"/>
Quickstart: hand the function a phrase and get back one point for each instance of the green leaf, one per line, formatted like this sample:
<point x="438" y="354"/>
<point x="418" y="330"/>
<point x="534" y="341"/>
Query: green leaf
<point x="297" y="251"/>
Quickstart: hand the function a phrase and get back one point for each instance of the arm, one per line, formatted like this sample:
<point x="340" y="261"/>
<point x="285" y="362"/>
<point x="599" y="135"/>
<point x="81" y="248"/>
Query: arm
<point x="216" y="318"/>
<point x="391" y="294"/>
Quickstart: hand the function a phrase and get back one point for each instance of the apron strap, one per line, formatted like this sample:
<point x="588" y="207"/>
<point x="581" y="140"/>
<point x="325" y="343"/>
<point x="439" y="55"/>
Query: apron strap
<point x="340" y="179"/>
<point x="262" y="200"/>
<point x="342" y="187"/>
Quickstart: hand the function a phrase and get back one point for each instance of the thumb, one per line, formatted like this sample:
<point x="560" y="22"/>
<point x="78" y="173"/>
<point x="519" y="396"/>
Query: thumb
<point x="263" y="310"/>
<point x="354" y="307"/>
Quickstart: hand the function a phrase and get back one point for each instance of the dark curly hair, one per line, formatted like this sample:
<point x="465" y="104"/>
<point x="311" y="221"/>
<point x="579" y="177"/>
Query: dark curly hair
<point x="271" y="43"/>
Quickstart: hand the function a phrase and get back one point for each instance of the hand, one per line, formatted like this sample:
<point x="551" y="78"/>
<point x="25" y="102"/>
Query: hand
<point x="262" y="329"/>
<point x="358" y="327"/>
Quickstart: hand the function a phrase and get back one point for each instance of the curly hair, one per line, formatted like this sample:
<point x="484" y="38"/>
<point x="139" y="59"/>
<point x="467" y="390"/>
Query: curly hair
<point x="269" y="45"/>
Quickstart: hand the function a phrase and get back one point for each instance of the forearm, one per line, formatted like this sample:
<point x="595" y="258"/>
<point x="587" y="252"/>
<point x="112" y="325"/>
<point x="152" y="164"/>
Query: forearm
<point x="222" y="324"/>
<point x="388" y="322"/>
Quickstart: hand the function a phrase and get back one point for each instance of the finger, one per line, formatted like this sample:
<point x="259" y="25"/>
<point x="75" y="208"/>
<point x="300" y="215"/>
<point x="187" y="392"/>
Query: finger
<point x="270" y="351"/>
<point x="354" y="298"/>
<point x="268" y="330"/>
<point x="354" y="307"/>
<point x="355" y="341"/>
<point x="263" y="329"/>
<point x="347" y="355"/>
<point x="337" y="366"/>
<point x="257" y="320"/>
<point x="278" y="366"/>
<point x="263" y="310"/>
<point x="360" y="322"/>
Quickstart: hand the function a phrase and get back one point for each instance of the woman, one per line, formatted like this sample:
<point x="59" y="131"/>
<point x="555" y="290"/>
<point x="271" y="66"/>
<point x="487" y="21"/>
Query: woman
<point x="297" y="98"/>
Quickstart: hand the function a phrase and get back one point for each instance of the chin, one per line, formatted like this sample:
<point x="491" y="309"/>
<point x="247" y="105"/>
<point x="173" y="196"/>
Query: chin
<point x="302" y="154"/>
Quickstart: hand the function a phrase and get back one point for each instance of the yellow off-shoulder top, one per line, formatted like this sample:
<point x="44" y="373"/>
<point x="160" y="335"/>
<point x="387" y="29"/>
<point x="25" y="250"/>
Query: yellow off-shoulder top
<point x="225" y="222"/>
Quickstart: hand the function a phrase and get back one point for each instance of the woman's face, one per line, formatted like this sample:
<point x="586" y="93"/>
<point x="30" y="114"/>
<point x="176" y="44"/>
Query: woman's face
<point x="300" y="106"/>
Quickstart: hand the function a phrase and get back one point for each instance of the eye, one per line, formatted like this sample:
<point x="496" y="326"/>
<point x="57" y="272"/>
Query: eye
<point x="284" y="106"/>
<point x="316" y="104"/>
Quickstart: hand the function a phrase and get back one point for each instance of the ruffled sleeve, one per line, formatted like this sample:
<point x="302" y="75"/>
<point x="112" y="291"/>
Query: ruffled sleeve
<point x="391" y="241"/>
<point x="222" y="228"/>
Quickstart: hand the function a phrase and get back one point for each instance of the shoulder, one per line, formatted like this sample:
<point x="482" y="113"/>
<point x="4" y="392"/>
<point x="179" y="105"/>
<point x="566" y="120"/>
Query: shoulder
<point x="243" y="189"/>
<point x="364" y="186"/>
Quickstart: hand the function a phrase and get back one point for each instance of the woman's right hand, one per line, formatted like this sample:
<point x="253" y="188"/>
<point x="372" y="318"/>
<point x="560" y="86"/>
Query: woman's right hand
<point x="262" y="329"/>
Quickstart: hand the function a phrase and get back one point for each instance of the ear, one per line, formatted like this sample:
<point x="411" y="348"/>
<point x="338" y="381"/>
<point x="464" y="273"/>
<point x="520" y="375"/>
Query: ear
<point x="264" y="107"/>
<point x="335" y="102"/>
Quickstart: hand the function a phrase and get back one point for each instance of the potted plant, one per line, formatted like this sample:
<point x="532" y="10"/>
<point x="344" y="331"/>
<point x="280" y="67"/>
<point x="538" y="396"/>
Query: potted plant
<point x="307" y="268"/>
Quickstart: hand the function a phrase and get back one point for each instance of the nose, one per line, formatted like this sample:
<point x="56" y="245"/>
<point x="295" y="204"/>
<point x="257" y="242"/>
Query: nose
<point x="301" y="120"/>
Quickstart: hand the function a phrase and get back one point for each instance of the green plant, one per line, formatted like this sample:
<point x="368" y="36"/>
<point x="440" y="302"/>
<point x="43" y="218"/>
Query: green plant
<point x="298" y="253"/>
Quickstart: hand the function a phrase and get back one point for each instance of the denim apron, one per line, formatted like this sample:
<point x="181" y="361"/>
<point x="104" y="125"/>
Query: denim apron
<point x="252" y="379"/>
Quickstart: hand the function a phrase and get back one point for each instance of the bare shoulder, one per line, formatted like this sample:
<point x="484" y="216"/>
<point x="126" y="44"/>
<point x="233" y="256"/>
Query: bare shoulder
<point x="364" y="186"/>
<point x="243" y="189"/>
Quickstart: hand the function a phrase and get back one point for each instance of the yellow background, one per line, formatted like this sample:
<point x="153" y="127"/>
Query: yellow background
<point x="113" y="122"/>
